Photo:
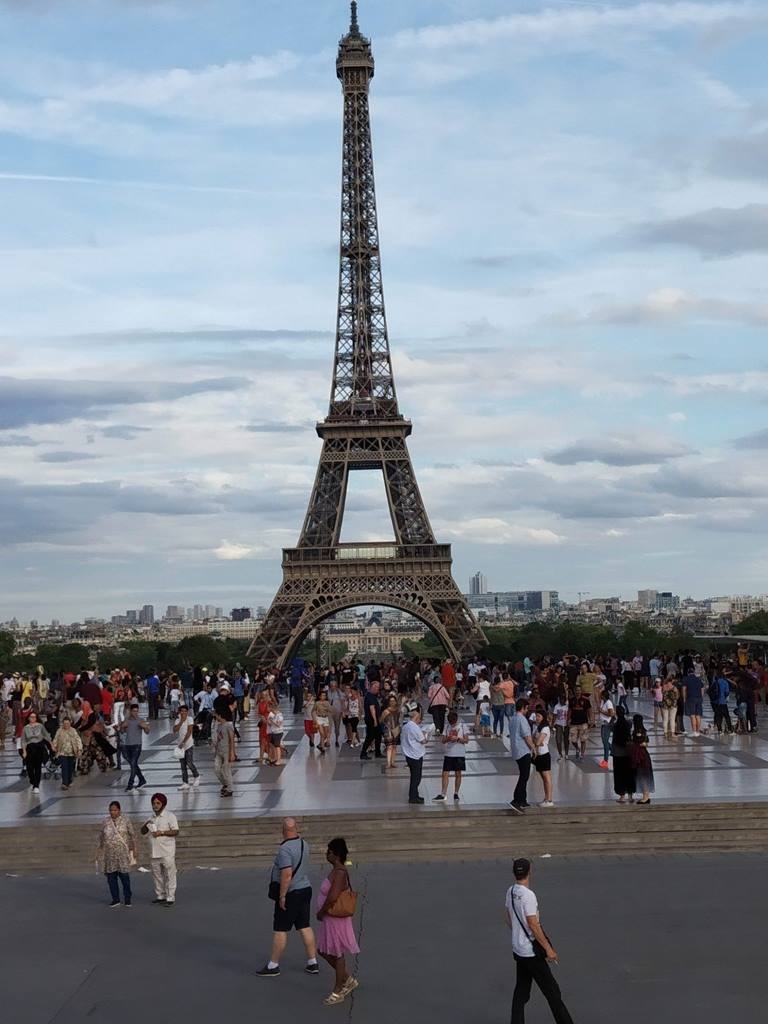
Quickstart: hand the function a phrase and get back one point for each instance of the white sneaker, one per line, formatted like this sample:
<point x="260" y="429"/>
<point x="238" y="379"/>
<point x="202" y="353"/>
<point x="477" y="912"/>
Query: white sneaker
<point x="196" y="782"/>
<point x="183" y="786"/>
<point x="546" y="803"/>
<point x="35" y="789"/>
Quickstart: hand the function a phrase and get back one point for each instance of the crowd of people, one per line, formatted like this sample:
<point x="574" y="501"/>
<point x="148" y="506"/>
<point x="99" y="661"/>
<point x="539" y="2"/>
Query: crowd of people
<point x="67" y="725"/>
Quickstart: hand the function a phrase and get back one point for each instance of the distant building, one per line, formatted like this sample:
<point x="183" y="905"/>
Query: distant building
<point x="132" y="617"/>
<point x="218" y="613"/>
<point x="516" y="601"/>
<point x="240" y="614"/>
<point x="478" y="584"/>
<point x="174" y="611"/>
<point x="147" y="615"/>
<point x="198" y="612"/>
<point x="647" y="598"/>
<point x="666" y="601"/>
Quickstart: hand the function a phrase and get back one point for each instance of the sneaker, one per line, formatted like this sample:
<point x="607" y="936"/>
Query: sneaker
<point x="196" y="781"/>
<point x="439" y="797"/>
<point x="312" y="969"/>
<point x="227" y="792"/>
<point x="35" y="789"/>
<point x="603" y="763"/>
<point x="158" y="901"/>
<point x="142" y="784"/>
<point x="184" y="786"/>
<point x="546" y="803"/>
<point x="516" y="807"/>
<point x="128" y="789"/>
<point x="127" y="903"/>
<point x="115" y="903"/>
<point x="418" y="800"/>
<point x="455" y="796"/>
<point x="268" y="972"/>
<point x="170" y="903"/>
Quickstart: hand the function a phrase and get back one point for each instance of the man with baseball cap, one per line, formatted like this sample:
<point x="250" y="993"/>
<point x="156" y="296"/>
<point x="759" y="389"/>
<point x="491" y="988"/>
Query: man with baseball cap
<point x="532" y="949"/>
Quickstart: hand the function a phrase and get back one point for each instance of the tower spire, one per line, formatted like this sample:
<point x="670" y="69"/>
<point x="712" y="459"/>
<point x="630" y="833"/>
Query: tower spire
<point x="354" y="28"/>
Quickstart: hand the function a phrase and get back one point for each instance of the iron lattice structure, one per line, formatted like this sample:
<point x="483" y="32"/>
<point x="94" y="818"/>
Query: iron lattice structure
<point x="364" y="430"/>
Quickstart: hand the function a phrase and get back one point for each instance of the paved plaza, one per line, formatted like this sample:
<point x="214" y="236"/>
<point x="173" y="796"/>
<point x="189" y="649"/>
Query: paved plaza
<point x="690" y="769"/>
<point x="640" y="939"/>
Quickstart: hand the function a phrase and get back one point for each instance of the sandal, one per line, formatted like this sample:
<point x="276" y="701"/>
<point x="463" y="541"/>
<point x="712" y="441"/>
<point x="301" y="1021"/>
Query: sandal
<point x="334" y="997"/>
<point x="349" y="985"/>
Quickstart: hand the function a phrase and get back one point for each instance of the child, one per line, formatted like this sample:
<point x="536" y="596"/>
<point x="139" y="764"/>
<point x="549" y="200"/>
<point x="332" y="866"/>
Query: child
<point x="485" y="716"/>
<point x="621" y="693"/>
<point x="656" y="701"/>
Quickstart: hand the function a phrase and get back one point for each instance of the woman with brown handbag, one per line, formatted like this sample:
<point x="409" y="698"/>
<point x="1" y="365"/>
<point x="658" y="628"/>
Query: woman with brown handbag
<point x="336" y="904"/>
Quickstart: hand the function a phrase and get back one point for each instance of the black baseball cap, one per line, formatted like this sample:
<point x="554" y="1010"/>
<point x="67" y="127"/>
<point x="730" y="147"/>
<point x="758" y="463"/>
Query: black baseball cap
<point x="521" y="868"/>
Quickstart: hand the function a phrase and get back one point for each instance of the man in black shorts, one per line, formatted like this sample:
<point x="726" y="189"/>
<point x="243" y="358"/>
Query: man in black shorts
<point x="290" y="888"/>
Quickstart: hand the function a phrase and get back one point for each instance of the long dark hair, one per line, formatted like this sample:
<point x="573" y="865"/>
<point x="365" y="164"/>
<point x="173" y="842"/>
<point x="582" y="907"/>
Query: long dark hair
<point x="621" y="730"/>
<point x="338" y="848"/>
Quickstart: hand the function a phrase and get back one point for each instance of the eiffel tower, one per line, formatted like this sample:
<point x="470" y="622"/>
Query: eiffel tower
<point x="364" y="430"/>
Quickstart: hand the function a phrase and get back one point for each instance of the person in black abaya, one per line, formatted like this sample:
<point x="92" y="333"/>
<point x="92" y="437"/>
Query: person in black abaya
<point x="623" y="772"/>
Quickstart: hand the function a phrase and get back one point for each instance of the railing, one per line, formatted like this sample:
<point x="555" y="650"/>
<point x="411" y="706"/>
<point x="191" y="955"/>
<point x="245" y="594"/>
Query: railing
<point x="373" y="552"/>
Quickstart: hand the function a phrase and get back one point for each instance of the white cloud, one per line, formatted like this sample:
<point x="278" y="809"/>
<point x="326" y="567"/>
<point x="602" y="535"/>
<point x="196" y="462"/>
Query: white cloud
<point x="488" y="530"/>
<point x="575" y="26"/>
<point x="229" y="551"/>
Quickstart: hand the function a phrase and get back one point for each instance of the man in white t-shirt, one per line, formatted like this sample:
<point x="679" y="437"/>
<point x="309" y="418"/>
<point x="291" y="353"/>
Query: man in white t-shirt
<point x="412" y="743"/>
<point x="532" y="950"/>
<point x="162" y="829"/>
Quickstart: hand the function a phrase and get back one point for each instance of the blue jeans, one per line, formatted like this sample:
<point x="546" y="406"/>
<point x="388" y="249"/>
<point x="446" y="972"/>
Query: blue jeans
<point x="509" y="714"/>
<point x="67" y="769"/>
<point x="605" y="736"/>
<point x="133" y="753"/>
<point x="498" y="719"/>
<point x="114" y="888"/>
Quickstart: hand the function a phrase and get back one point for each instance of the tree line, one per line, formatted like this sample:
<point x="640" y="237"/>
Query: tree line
<point x="505" y="643"/>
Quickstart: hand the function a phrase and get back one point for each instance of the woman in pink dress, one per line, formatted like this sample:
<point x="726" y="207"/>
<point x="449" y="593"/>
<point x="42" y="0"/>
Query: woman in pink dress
<point x="336" y="935"/>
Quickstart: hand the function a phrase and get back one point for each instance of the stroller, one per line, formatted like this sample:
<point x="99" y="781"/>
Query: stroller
<point x="51" y="767"/>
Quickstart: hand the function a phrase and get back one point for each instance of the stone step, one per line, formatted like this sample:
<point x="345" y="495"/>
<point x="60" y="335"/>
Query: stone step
<point x="431" y="836"/>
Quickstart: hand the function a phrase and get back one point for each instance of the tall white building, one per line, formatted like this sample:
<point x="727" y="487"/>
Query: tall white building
<point x="478" y="584"/>
<point x="647" y="598"/>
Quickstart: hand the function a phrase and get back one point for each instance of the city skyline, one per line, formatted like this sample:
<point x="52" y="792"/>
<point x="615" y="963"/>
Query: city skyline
<point x="588" y="399"/>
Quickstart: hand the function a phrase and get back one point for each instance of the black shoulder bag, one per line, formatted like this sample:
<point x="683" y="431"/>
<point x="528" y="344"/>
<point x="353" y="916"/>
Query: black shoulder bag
<point x="538" y="949"/>
<point x="274" y="887"/>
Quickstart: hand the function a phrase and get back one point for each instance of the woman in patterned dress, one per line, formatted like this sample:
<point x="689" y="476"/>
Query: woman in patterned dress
<point x="117" y="853"/>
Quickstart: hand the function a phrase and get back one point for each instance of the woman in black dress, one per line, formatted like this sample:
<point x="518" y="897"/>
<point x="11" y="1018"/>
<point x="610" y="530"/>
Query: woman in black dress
<point x="623" y="772"/>
<point x="641" y="760"/>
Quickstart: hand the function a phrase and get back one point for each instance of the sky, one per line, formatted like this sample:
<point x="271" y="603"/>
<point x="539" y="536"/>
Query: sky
<point x="573" y="206"/>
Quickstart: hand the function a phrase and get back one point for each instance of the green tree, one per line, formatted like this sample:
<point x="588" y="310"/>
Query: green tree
<point x="63" y="657"/>
<point x="755" y="624"/>
<point x="7" y="647"/>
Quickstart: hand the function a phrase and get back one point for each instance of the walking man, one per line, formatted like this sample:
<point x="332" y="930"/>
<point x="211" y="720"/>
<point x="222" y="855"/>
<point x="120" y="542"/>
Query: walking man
<point x="532" y="949"/>
<point x="184" y="728"/>
<point x="223" y="749"/>
<point x="163" y="829"/>
<point x="290" y="888"/>
<point x="372" y="722"/>
<point x="133" y="729"/>
<point x="412" y="742"/>
<point x="522" y="749"/>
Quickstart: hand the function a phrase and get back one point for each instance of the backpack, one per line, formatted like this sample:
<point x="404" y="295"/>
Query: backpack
<point x="713" y="691"/>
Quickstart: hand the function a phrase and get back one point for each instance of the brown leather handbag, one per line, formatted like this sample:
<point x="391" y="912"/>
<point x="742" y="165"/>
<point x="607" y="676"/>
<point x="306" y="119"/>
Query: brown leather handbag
<point x="345" y="903"/>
